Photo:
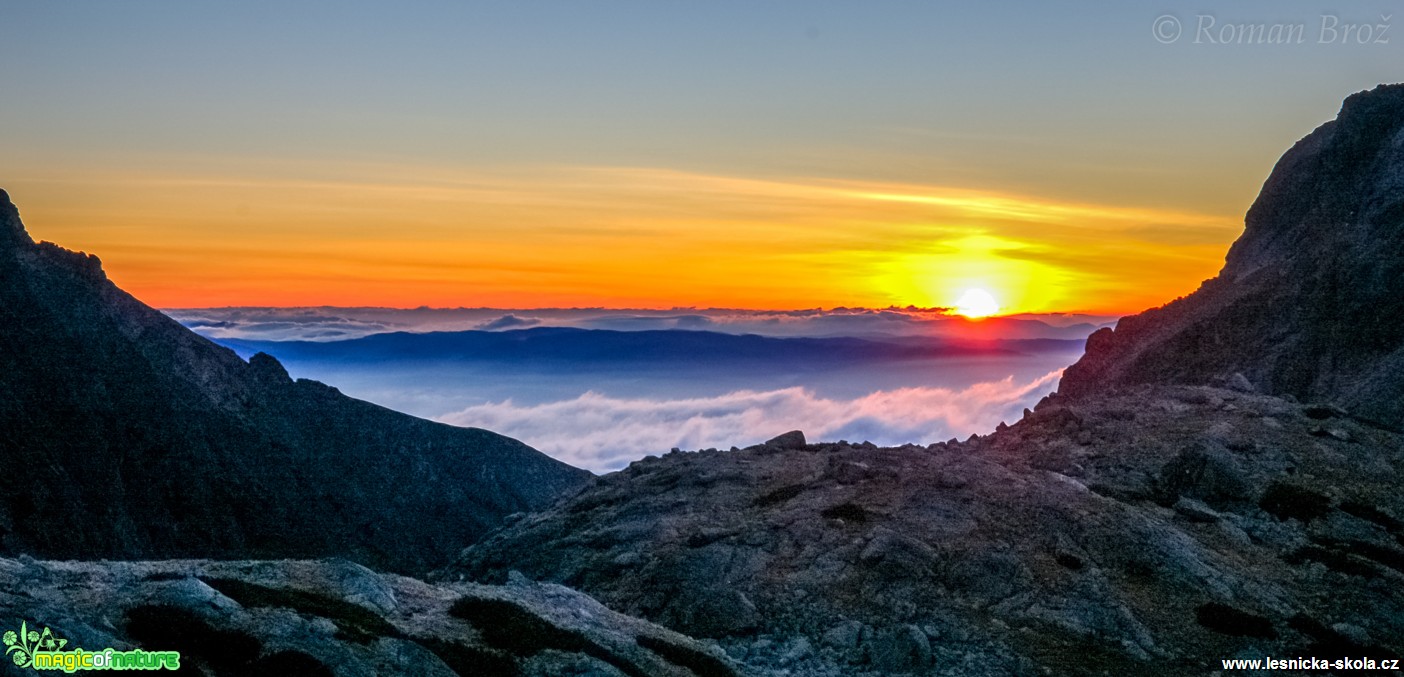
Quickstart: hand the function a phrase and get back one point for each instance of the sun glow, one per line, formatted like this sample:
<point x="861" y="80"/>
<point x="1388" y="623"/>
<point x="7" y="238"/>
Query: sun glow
<point x="976" y="303"/>
<point x="314" y="233"/>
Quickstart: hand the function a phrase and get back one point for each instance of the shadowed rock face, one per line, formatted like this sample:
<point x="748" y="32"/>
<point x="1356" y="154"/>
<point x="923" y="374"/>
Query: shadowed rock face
<point x="124" y="435"/>
<point x="1309" y="300"/>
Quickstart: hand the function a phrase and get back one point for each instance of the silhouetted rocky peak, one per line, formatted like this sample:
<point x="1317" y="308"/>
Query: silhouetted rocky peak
<point x="125" y="434"/>
<point x="1336" y="196"/>
<point x="18" y="250"/>
<point x="1309" y="299"/>
<point x="12" y="232"/>
<point x="267" y="369"/>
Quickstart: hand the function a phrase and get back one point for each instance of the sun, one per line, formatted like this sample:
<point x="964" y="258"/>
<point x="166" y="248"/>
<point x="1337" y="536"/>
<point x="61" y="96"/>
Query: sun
<point x="976" y="303"/>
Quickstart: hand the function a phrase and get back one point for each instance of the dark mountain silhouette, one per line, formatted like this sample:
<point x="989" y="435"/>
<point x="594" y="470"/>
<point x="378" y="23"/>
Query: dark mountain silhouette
<point x="1310" y="300"/>
<point x="125" y="435"/>
<point x="566" y="346"/>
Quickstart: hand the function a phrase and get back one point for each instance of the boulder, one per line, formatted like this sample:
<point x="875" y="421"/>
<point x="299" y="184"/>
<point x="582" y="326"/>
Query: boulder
<point x="790" y="440"/>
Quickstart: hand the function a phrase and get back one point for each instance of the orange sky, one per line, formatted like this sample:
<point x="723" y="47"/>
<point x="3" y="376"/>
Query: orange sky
<point x="781" y="154"/>
<point x="562" y="236"/>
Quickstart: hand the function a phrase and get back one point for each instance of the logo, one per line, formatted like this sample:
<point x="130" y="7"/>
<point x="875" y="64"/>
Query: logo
<point x="1166" y="29"/>
<point x="21" y="647"/>
<point x="44" y="651"/>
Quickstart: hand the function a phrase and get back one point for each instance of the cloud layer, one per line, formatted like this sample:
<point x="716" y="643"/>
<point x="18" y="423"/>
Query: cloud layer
<point x="605" y="433"/>
<point x="331" y="324"/>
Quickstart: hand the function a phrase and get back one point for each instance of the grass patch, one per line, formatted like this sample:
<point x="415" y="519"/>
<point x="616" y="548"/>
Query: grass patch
<point x="1226" y="620"/>
<point x="700" y="663"/>
<point x="779" y="495"/>
<point x="848" y="512"/>
<point x="1334" y="560"/>
<point x="355" y="623"/>
<point x="162" y="627"/>
<point x="470" y="661"/>
<point x="1370" y="513"/>
<point x="1290" y="501"/>
<point x="510" y="627"/>
<point x="290" y="664"/>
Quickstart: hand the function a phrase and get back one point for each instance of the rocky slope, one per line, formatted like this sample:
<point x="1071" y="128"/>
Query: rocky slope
<point x="333" y="617"/>
<point x="124" y="435"/>
<point x="1310" y="298"/>
<point x="1163" y="527"/>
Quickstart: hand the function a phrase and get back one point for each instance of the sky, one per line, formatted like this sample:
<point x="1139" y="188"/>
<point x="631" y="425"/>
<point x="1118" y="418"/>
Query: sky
<point x="1065" y="157"/>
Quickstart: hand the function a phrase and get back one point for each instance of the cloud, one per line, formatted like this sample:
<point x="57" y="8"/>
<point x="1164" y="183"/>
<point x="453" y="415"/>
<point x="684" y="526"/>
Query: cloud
<point x="329" y="323"/>
<point x="622" y="321"/>
<point x="604" y="433"/>
<point x="508" y="321"/>
<point x="278" y="324"/>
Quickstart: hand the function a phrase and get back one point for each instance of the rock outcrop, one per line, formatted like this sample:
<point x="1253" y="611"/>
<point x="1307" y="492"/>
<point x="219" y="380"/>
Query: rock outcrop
<point x="1155" y="531"/>
<point x="1309" y="301"/>
<point x="333" y="617"/>
<point x="124" y="435"/>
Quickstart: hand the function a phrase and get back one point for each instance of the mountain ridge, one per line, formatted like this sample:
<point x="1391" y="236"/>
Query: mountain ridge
<point x="1308" y="300"/>
<point x="128" y="436"/>
<point x="570" y="344"/>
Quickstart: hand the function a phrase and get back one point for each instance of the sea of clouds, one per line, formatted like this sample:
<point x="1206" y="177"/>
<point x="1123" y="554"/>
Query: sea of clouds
<point x="603" y="433"/>
<point x="603" y="416"/>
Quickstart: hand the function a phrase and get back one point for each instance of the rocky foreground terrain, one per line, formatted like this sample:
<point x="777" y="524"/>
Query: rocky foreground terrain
<point x="333" y="617"/>
<point x="1155" y="530"/>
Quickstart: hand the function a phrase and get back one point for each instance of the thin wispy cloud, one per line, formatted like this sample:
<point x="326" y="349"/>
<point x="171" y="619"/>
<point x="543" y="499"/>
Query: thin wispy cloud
<point x="282" y="324"/>
<point x="509" y="321"/>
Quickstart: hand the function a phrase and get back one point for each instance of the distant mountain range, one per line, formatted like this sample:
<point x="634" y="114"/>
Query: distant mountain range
<point x="325" y="323"/>
<point x="125" y="435"/>
<point x="562" y="345"/>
